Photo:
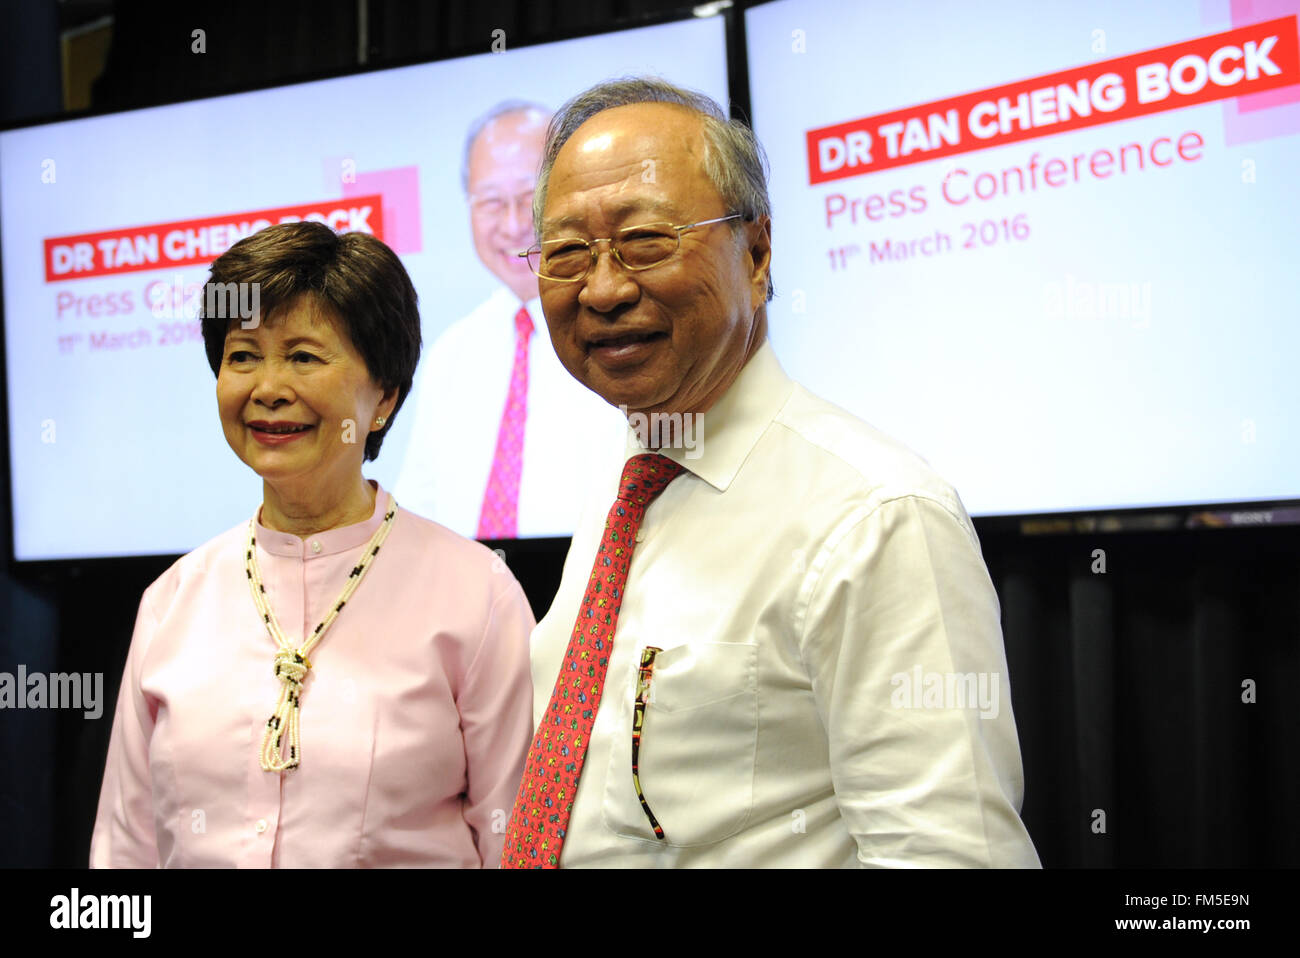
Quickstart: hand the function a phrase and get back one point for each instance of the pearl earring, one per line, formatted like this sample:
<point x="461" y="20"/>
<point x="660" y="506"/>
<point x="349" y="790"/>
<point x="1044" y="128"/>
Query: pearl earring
<point x="379" y="421"/>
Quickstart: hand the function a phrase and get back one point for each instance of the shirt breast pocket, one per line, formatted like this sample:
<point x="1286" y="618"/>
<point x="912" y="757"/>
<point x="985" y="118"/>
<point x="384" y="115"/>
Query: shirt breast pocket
<point x="698" y="741"/>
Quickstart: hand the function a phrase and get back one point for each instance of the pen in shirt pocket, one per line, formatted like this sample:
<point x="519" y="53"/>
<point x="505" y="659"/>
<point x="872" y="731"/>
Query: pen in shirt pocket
<point x="644" y="675"/>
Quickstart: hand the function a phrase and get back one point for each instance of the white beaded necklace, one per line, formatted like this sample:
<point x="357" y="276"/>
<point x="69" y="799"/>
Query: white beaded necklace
<point x="292" y="665"/>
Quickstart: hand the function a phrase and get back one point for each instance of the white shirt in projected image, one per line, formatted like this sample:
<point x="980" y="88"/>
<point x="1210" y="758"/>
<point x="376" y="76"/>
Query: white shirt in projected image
<point x="816" y="589"/>
<point x="460" y="393"/>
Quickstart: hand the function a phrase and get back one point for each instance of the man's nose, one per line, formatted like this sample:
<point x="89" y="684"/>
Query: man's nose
<point x="608" y="283"/>
<point x="519" y="216"/>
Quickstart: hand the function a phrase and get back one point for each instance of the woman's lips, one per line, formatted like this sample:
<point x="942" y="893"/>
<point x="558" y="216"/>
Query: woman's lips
<point x="279" y="436"/>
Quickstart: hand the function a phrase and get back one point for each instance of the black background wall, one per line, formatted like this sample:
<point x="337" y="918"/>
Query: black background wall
<point x="1127" y="683"/>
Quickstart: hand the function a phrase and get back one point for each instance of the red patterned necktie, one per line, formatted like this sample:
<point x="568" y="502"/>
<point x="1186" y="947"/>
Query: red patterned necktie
<point x="499" y="516"/>
<point x="540" y="818"/>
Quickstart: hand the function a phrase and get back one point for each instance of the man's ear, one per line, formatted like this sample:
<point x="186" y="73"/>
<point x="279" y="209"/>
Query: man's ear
<point x="759" y="234"/>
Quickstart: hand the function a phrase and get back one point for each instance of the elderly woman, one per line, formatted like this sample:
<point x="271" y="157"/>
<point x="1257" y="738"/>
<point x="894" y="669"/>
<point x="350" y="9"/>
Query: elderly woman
<point x="336" y="682"/>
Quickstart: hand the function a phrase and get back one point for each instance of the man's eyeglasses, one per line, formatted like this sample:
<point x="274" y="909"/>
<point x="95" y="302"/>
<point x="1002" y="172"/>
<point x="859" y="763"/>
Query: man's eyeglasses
<point x="643" y="675"/>
<point x="569" y="259"/>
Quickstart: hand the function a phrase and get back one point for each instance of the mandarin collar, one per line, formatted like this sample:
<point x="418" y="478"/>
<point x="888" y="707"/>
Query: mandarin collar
<point x="329" y="542"/>
<point x="731" y="429"/>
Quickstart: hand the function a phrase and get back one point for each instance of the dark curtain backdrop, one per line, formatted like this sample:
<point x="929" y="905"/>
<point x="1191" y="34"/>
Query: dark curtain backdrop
<point x="1127" y="685"/>
<point x="1128" y="690"/>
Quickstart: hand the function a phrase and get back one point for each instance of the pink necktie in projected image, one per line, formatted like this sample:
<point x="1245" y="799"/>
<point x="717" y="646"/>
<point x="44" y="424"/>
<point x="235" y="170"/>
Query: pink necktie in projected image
<point x="499" y="517"/>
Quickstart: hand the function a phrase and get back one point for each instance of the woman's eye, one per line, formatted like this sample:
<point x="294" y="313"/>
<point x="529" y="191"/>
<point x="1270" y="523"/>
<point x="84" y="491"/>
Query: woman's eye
<point x="239" y="356"/>
<point x="301" y="357"/>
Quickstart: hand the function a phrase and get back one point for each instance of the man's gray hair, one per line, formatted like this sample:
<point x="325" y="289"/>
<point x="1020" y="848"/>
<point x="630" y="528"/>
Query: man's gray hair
<point x="504" y="108"/>
<point x="734" y="160"/>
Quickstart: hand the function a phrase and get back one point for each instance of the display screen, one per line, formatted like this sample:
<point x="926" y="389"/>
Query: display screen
<point x="1053" y="248"/>
<point x="109" y="225"/>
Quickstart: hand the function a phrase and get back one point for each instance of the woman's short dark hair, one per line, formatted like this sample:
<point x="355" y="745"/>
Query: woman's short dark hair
<point x="354" y="276"/>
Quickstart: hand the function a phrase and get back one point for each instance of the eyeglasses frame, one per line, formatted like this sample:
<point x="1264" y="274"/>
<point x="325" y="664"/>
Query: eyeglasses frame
<point x="613" y="250"/>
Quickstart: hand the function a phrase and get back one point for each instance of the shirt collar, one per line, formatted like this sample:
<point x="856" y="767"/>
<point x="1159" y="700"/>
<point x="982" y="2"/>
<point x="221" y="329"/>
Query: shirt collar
<point x="329" y="542"/>
<point x="730" y="430"/>
<point x="508" y="300"/>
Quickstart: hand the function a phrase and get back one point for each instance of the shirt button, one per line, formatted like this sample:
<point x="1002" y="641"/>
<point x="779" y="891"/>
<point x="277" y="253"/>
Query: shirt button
<point x="261" y="825"/>
<point x="315" y="546"/>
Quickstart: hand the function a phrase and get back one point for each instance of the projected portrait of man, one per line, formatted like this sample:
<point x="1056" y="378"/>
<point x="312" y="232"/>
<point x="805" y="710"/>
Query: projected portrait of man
<point x="491" y="395"/>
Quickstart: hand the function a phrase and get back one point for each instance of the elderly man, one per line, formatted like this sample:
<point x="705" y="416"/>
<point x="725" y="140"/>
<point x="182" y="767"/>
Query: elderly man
<point x="490" y="400"/>
<point x="788" y="651"/>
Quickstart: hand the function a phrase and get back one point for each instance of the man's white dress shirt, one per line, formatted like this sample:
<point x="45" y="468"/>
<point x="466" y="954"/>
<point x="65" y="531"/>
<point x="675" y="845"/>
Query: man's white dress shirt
<point x="807" y="579"/>
<point x="461" y="392"/>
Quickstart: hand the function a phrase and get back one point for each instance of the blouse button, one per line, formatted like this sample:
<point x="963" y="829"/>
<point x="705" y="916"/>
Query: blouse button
<point x="261" y="825"/>
<point x="315" y="546"/>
